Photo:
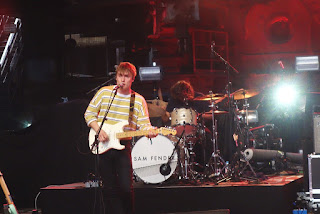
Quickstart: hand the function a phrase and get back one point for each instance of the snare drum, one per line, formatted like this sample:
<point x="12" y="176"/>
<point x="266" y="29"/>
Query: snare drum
<point x="149" y="154"/>
<point x="184" y="119"/>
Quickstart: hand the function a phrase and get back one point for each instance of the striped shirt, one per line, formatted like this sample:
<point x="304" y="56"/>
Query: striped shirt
<point x="119" y="110"/>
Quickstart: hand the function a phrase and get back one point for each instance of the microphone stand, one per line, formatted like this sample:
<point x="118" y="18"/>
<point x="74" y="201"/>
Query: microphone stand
<point x="165" y="168"/>
<point x="228" y="65"/>
<point x="96" y="141"/>
<point x="228" y="90"/>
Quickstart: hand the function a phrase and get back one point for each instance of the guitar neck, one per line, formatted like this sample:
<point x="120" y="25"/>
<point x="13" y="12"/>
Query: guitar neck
<point x="5" y="189"/>
<point x="133" y="133"/>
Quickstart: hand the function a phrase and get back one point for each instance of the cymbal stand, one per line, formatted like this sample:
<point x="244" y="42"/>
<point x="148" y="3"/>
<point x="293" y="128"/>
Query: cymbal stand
<point x="242" y="157"/>
<point x="186" y="161"/>
<point x="215" y="158"/>
<point x="246" y="127"/>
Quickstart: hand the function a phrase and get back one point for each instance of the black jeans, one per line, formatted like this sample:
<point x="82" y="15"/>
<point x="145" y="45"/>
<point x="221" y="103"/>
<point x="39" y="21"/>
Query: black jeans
<point x="116" y="174"/>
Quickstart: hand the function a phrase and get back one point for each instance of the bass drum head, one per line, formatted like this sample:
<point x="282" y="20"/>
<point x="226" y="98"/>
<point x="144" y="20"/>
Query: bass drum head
<point x="149" y="154"/>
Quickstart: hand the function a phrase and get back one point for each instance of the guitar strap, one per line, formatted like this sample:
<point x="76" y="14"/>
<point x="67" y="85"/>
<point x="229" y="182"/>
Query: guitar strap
<point x="133" y="94"/>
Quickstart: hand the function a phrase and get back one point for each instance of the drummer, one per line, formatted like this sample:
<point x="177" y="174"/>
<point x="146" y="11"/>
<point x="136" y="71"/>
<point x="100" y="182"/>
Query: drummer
<point x="182" y="95"/>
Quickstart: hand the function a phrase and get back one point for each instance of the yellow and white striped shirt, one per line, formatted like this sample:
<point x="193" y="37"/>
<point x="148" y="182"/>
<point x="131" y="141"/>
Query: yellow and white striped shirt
<point x="119" y="110"/>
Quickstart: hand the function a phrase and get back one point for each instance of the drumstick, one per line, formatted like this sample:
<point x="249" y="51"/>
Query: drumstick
<point x="160" y="94"/>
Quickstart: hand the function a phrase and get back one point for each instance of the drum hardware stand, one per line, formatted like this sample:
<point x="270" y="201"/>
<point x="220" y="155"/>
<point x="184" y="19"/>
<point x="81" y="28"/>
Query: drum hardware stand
<point x="187" y="172"/>
<point x="228" y="90"/>
<point x="215" y="158"/>
<point x="240" y="155"/>
<point x="246" y="127"/>
<point x="185" y="166"/>
<point x="165" y="168"/>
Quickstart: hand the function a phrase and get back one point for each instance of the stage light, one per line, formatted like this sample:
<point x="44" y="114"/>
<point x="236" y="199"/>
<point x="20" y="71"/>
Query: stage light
<point x="307" y="63"/>
<point x="150" y="73"/>
<point x="286" y="94"/>
<point x="26" y="123"/>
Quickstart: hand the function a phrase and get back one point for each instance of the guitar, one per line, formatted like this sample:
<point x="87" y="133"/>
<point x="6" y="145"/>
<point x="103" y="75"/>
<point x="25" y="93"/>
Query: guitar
<point x="115" y="133"/>
<point x="9" y="208"/>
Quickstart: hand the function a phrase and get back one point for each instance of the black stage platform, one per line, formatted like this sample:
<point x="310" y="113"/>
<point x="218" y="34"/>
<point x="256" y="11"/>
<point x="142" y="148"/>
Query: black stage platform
<point x="273" y="195"/>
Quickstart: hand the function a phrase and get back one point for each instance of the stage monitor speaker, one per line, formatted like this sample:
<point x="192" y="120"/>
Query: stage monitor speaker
<point x="316" y="130"/>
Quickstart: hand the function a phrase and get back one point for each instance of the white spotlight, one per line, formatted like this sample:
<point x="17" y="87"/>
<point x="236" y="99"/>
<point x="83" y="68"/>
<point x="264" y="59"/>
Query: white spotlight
<point x="286" y="94"/>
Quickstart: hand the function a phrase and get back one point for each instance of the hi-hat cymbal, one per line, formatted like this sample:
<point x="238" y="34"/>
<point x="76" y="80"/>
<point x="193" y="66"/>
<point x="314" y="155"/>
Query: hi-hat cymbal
<point x="244" y="94"/>
<point x="209" y="97"/>
<point x="216" y="112"/>
<point x="208" y="115"/>
<point x="155" y="110"/>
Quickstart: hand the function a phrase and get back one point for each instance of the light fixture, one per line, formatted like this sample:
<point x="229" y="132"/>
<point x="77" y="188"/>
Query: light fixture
<point x="307" y="63"/>
<point x="286" y="94"/>
<point x="150" y="73"/>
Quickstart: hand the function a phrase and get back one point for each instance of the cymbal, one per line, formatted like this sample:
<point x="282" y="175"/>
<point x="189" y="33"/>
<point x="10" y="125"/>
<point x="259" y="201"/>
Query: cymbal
<point x="157" y="102"/>
<point x="155" y="110"/>
<point x="208" y="97"/>
<point x="216" y="112"/>
<point x="208" y="115"/>
<point x="244" y="94"/>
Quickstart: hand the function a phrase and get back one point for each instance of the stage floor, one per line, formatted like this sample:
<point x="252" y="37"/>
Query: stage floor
<point x="275" y="194"/>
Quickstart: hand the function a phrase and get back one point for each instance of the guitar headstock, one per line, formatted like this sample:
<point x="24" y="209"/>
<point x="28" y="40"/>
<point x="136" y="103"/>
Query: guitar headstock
<point x="167" y="131"/>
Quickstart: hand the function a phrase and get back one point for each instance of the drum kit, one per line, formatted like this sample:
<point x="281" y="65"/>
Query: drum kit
<point x="174" y="158"/>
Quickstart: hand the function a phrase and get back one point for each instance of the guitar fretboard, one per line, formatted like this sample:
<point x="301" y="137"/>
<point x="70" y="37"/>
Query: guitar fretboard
<point x="132" y="134"/>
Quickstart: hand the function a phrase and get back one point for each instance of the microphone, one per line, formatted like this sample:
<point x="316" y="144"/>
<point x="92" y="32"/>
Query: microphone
<point x="118" y="86"/>
<point x="165" y="169"/>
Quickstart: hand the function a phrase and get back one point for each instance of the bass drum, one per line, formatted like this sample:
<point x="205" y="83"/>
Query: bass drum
<point x="149" y="154"/>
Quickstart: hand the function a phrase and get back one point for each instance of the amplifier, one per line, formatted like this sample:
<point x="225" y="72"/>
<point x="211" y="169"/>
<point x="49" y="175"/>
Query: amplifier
<point x="316" y="132"/>
<point x="314" y="176"/>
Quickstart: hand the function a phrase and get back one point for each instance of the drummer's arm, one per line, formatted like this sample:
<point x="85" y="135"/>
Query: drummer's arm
<point x="166" y="117"/>
<point x="169" y="108"/>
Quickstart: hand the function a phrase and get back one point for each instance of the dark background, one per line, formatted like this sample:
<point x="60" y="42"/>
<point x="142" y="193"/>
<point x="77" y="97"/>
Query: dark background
<point x="53" y="150"/>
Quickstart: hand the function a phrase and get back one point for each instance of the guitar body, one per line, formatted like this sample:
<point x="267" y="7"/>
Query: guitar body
<point x="10" y="209"/>
<point x="115" y="133"/>
<point x="113" y="143"/>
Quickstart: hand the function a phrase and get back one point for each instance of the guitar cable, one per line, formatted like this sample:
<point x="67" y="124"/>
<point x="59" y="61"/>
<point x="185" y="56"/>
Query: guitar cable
<point x="35" y="210"/>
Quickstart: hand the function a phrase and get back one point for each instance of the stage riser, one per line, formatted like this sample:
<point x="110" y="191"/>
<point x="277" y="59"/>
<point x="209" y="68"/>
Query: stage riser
<point x="205" y="212"/>
<point x="192" y="199"/>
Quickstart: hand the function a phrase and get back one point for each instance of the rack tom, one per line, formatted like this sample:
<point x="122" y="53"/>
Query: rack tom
<point x="184" y="119"/>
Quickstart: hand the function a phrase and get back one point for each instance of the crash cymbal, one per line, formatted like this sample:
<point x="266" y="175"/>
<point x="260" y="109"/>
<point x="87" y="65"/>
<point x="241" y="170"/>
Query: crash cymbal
<point x="208" y="97"/>
<point x="244" y="94"/>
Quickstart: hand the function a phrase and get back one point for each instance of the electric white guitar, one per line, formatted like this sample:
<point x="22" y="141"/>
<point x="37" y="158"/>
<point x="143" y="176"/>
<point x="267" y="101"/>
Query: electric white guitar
<point x="115" y="133"/>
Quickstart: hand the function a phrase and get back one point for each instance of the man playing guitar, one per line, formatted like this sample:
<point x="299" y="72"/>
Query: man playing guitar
<point x="125" y="107"/>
